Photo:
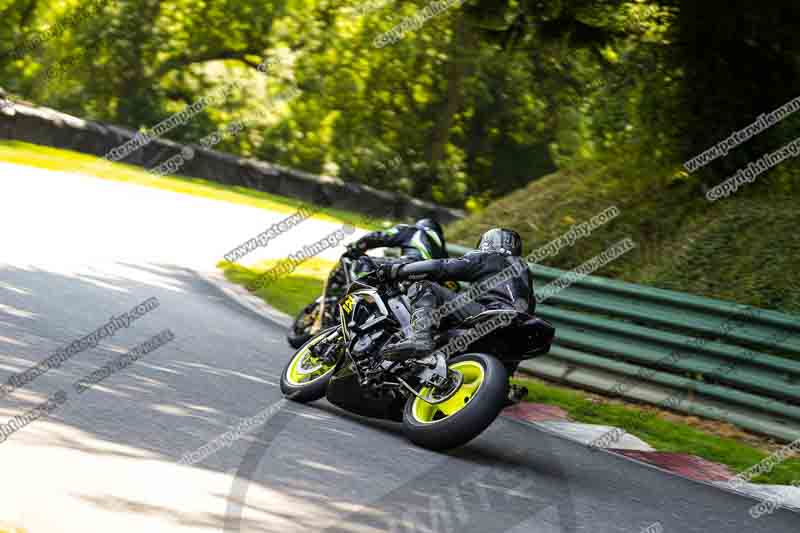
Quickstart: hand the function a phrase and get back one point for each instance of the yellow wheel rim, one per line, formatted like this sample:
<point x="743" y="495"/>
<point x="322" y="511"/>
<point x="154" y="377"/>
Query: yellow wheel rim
<point x="426" y="413"/>
<point x="305" y="368"/>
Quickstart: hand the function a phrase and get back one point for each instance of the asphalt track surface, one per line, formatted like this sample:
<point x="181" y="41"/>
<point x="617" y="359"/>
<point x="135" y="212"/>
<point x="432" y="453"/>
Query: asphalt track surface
<point x="107" y="460"/>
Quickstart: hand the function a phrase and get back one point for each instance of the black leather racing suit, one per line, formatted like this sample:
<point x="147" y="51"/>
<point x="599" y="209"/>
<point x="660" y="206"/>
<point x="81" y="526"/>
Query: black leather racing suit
<point x="513" y="289"/>
<point x="476" y="267"/>
<point x="414" y="243"/>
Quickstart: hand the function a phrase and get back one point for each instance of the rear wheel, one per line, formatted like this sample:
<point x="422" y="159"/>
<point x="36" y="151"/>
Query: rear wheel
<point x="305" y="378"/>
<point x="467" y="412"/>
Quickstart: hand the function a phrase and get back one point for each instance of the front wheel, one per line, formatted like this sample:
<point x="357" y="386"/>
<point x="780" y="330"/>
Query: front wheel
<point x="305" y="378"/>
<point x="467" y="413"/>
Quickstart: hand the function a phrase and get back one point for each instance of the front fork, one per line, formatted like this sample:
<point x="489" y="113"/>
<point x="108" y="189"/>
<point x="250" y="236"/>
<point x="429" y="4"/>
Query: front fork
<point x="322" y="350"/>
<point x="317" y="327"/>
<point x="318" y="322"/>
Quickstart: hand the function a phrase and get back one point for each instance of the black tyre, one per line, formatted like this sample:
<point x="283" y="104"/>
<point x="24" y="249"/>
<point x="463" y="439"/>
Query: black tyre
<point x="474" y="406"/>
<point x="305" y="378"/>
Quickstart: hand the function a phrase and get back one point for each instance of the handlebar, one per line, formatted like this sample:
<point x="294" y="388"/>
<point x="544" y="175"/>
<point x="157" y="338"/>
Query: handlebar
<point x="354" y="253"/>
<point x="383" y="285"/>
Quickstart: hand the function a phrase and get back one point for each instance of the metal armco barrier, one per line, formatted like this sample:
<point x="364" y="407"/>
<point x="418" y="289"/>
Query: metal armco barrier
<point x="696" y="355"/>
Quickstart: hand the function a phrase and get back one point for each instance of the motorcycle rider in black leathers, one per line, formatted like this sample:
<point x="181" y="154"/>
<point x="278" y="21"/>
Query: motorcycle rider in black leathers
<point x="498" y="250"/>
<point x="423" y="240"/>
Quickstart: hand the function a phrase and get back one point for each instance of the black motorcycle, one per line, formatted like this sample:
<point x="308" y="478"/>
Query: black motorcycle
<point x="445" y="399"/>
<point x="323" y="312"/>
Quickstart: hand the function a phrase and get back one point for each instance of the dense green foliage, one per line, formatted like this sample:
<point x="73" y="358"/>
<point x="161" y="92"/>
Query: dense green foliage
<point x="477" y="102"/>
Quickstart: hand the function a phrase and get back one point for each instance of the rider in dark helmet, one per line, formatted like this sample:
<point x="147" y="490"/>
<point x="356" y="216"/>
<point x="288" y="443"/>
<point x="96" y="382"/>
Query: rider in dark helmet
<point x="432" y="225"/>
<point x="499" y="250"/>
<point x="424" y="240"/>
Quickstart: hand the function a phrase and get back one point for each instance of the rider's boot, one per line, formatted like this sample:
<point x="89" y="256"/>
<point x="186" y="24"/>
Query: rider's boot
<point x="420" y="342"/>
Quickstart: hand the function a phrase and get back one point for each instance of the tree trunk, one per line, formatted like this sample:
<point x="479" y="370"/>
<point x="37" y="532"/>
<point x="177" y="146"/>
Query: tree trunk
<point x="458" y="69"/>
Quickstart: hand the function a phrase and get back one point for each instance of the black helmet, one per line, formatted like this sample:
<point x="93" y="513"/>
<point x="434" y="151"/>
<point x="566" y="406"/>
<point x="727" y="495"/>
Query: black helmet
<point x="505" y="241"/>
<point x="431" y="224"/>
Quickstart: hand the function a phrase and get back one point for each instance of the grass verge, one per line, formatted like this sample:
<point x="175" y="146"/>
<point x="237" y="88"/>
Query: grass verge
<point x="60" y="160"/>
<point x="289" y="294"/>
<point x="663" y="435"/>
<point x="295" y="291"/>
<point x="743" y="248"/>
